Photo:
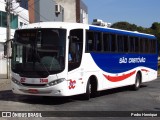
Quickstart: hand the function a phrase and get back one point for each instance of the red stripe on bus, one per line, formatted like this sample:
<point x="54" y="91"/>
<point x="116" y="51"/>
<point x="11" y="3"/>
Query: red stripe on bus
<point x="144" y="70"/>
<point x="119" y="78"/>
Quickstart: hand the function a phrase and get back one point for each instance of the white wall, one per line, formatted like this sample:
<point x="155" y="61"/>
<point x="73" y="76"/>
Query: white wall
<point x="69" y="9"/>
<point x="22" y="17"/>
<point x="2" y="5"/>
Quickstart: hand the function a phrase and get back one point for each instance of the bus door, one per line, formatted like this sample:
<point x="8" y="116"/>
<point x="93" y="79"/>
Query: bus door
<point x="75" y="72"/>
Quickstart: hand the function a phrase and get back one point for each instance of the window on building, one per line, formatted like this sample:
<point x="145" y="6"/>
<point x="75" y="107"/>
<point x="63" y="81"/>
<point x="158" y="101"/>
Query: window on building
<point x="0" y="18"/>
<point x="13" y="20"/>
<point x="4" y="19"/>
<point x="21" y="24"/>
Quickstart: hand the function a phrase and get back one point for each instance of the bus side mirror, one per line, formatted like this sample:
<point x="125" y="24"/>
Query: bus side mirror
<point x="7" y="49"/>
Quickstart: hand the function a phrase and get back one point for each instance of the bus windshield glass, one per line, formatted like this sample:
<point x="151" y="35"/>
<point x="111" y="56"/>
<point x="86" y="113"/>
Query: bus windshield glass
<point x="38" y="52"/>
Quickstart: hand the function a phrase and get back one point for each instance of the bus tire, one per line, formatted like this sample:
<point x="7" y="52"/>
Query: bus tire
<point x="137" y="84"/>
<point x="86" y="96"/>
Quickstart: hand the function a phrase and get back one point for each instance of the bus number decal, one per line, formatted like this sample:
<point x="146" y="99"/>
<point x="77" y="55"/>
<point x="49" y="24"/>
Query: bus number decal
<point x="43" y="80"/>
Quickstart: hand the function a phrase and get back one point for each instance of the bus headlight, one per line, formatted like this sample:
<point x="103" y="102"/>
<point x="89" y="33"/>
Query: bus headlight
<point x="16" y="81"/>
<point x="55" y="82"/>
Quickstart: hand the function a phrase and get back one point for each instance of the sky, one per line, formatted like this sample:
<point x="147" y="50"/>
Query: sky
<point x="140" y="12"/>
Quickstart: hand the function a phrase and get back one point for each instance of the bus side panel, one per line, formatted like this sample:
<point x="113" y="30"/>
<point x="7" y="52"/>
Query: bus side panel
<point x="118" y="70"/>
<point x="91" y="69"/>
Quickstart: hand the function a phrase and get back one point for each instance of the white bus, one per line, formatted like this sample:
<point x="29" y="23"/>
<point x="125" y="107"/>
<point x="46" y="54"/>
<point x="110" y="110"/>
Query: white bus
<point x="66" y="59"/>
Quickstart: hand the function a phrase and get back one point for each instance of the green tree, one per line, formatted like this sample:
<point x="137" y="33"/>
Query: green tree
<point x="124" y="26"/>
<point x="155" y="26"/>
<point x="156" y="30"/>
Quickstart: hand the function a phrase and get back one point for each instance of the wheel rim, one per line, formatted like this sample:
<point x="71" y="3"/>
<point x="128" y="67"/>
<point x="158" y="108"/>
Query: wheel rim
<point x="137" y="82"/>
<point x="90" y="88"/>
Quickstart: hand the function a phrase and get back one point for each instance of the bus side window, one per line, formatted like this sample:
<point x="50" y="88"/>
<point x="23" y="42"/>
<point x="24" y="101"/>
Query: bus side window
<point x="93" y="41"/>
<point x="120" y="42"/>
<point x="137" y="44"/>
<point x="75" y="49"/>
<point x="153" y="46"/>
<point x="147" y="46"/>
<point x="106" y="42"/>
<point x="132" y="44"/>
<point x="89" y="41"/>
<point x="142" y="45"/>
<point x="98" y="41"/>
<point x="114" y="42"/>
<point x="126" y="44"/>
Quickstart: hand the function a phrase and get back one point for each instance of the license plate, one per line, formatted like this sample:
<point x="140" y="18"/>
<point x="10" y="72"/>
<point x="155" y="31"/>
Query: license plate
<point x="34" y="91"/>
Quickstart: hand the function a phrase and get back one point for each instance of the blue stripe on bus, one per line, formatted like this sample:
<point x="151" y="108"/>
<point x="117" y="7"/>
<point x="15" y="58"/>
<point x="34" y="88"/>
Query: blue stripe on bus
<point x="121" y="32"/>
<point x="119" y="63"/>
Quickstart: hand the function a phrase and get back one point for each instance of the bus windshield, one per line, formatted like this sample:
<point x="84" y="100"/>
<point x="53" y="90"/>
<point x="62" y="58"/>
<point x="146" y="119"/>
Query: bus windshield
<point x="38" y="52"/>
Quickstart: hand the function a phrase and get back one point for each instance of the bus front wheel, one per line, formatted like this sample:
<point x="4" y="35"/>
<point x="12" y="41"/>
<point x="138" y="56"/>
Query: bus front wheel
<point x="86" y="96"/>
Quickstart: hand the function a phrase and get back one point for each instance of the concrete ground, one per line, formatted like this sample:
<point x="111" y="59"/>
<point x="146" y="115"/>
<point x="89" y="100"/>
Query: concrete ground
<point x="5" y="84"/>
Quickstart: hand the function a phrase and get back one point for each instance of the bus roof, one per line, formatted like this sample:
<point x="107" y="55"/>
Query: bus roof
<point x="68" y="25"/>
<point x="121" y="32"/>
<point x="65" y="25"/>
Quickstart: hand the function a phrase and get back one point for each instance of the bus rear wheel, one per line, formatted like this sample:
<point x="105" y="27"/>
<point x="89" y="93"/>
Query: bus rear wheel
<point x="137" y="84"/>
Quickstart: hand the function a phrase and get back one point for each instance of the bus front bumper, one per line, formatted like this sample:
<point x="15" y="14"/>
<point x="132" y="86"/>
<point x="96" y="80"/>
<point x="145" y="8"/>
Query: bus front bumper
<point x="40" y="91"/>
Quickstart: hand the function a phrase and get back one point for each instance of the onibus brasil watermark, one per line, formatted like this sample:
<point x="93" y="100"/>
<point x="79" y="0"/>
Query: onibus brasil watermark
<point x="22" y="114"/>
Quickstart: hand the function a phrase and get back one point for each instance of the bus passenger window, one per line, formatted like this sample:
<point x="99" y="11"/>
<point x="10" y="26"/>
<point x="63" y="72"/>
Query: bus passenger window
<point x="153" y="46"/>
<point x="120" y="42"/>
<point x="90" y="45"/>
<point x="106" y="42"/>
<point x="137" y="48"/>
<point x="90" y="41"/>
<point x="98" y="41"/>
<point x="132" y="44"/>
<point x="147" y="46"/>
<point x="126" y="44"/>
<point x="114" y="43"/>
<point x="142" y="45"/>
